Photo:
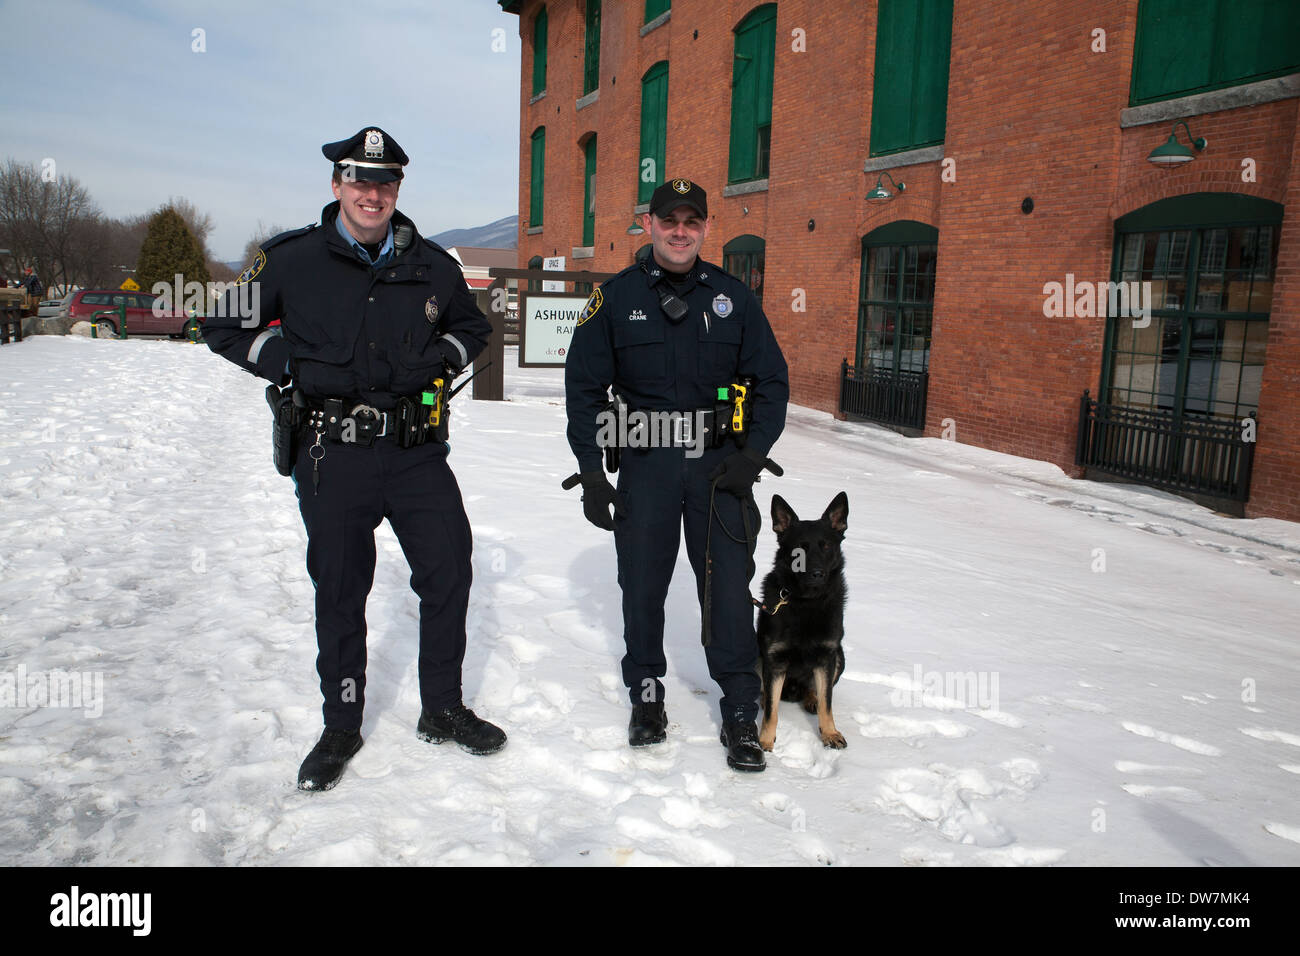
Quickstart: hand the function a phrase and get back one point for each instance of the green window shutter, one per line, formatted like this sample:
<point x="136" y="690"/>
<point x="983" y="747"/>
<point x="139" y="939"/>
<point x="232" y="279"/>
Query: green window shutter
<point x="589" y="193"/>
<point x="909" y="103"/>
<point x="591" y="68"/>
<point x="537" y="178"/>
<point x="654" y="131"/>
<point x="751" y="94"/>
<point x="539" y="52"/>
<point x="655" y="8"/>
<point x="1191" y="46"/>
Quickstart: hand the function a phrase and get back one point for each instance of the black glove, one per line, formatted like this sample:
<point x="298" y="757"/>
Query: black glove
<point x="738" y="472"/>
<point x="597" y="495"/>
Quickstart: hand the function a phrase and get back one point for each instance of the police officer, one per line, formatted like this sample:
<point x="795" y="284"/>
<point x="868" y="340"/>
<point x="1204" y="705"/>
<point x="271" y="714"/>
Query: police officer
<point x="371" y="316"/>
<point x="667" y="333"/>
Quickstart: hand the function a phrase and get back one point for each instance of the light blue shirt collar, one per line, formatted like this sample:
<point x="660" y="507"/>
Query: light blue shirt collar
<point x="385" y="251"/>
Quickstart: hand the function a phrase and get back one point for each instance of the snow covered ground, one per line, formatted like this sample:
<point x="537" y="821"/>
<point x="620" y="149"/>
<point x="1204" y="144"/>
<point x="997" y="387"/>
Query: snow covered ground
<point x="1040" y="671"/>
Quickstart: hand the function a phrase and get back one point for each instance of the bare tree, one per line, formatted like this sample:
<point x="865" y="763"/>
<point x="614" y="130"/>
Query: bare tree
<point x="39" y="218"/>
<point x="262" y="234"/>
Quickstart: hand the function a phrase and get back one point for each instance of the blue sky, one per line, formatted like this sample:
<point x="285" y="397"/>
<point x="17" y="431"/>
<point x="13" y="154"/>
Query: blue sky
<point x="116" y="95"/>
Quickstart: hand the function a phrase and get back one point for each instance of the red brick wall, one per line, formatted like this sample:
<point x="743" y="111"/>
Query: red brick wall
<point x="1032" y="112"/>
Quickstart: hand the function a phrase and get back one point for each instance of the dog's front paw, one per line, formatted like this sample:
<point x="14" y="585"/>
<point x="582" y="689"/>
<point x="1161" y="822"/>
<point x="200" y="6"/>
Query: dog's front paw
<point x="835" y="740"/>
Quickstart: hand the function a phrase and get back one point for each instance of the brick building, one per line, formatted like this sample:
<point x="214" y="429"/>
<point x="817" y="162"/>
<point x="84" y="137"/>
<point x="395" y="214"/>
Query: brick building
<point x="978" y="299"/>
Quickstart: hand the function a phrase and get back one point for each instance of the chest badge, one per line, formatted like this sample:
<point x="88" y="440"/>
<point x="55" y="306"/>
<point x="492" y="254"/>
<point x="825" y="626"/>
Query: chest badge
<point x="431" y="309"/>
<point x="721" y="306"/>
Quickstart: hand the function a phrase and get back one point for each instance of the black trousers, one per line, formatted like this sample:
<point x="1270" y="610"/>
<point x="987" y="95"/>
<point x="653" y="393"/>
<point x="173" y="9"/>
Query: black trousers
<point x="416" y="491"/>
<point x="665" y="492"/>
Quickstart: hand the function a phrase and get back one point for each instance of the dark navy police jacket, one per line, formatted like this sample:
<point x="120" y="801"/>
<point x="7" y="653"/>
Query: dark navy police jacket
<point x="624" y="339"/>
<point x="347" y="329"/>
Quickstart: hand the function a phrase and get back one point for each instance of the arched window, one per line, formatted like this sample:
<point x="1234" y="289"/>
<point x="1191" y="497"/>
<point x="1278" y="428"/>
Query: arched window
<point x="1204" y="265"/>
<point x="896" y="297"/>
<point x="744" y="257"/>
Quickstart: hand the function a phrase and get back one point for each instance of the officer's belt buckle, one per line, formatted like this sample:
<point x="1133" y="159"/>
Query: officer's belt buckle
<point x="373" y="416"/>
<point x="683" y="429"/>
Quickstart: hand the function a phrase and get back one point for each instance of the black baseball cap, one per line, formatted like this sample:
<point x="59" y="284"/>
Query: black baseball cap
<point x="371" y="155"/>
<point x="679" y="192"/>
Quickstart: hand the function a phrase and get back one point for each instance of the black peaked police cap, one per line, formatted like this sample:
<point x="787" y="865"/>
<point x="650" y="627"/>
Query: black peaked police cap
<point x="679" y="192"/>
<point x="371" y="155"/>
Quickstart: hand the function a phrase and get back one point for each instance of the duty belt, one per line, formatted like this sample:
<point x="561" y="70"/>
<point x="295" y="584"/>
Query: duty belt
<point x="352" y="422"/>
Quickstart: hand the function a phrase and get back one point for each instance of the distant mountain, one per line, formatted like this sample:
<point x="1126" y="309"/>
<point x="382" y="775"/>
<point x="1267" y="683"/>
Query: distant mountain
<point x="502" y="234"/>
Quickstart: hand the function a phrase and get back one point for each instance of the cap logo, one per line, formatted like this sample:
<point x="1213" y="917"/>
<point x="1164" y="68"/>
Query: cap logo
<point x="682" y="185"/>
<point x="374" y="144"/>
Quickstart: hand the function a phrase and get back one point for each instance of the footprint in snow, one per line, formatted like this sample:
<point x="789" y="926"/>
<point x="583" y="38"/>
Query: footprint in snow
<point x="1182" y="743"/>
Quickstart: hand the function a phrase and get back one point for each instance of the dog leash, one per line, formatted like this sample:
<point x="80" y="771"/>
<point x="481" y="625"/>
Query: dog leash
<point x="785" y="599"/>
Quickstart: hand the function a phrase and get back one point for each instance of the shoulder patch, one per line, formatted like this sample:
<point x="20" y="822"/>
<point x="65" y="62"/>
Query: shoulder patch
<point x="249" y="274"/>
<point x="592" y="307"/>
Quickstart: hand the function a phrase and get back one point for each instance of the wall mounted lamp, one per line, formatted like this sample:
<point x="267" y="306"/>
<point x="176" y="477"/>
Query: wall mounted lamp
<point x="1173" y="152"/>
<point x="880" y="193"/>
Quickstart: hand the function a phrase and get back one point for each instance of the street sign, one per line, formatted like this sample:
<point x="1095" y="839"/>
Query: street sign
<point x="553" y="264"/>
<point x="130" y="285"/>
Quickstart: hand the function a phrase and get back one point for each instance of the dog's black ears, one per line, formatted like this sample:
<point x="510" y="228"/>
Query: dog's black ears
<point x="837" y="512"/>
<point x="782" y="515"/>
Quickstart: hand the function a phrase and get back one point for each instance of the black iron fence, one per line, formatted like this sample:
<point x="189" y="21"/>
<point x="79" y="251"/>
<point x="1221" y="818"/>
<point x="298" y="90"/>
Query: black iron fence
<point x="1192" y="454"/>
<point x="884" y="395"/>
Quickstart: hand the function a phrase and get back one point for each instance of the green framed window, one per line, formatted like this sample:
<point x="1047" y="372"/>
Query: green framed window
<point x="751" y="96"/>
<point x="654" y="130"/>
<point x="1191" y="46"/>
<point x="589" y="191"/>
<point x="909" y="101"/>
<point x="744" y="258"/>
<point x="896" y="297"/>
<point x="537" y="177"/>
<point x="539" y="52"/>
<point x="656" y="8"/>
<point x="1210" y="261"/>
<point x="591" y="44"/>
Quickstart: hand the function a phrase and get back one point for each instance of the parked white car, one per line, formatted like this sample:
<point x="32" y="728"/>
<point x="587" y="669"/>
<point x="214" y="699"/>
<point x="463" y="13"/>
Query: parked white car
<point x="49" y="308"/>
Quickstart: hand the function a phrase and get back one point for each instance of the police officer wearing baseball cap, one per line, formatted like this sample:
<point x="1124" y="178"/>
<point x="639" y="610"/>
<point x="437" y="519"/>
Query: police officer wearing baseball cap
<point x="667" y="333"/>
<point x="373" y="323"/>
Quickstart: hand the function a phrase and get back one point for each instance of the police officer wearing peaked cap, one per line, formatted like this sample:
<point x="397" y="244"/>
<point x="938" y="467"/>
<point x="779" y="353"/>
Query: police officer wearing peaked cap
<point x="370" y="317"/>
<point x="635" y="336"/>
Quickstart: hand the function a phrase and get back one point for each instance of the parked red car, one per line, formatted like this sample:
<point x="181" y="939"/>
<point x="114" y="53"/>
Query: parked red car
<point x="140" y="318"/>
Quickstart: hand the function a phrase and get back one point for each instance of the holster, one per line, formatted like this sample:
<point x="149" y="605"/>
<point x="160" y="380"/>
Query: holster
<point x="286" y="415"/>
<point x="612" y="450"/>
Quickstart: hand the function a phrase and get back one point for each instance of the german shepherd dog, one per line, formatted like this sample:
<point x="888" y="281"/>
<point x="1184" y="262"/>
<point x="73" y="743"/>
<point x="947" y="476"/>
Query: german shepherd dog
<point x="801" y="623"/>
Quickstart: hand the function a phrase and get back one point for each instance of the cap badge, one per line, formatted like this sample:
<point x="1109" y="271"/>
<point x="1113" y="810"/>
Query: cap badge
<point x="721" y="306"/>
<point x="431" y="309"/>
<point x="374" y="144"/>
<point x="682" y="185"/>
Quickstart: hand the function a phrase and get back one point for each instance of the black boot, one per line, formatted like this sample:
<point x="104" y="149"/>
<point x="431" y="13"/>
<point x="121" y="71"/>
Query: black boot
<point x="459" y="724"/>
<point x="324" y="765"/>
<point x="649" y="724"/>
<point x="740" y="737"/>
